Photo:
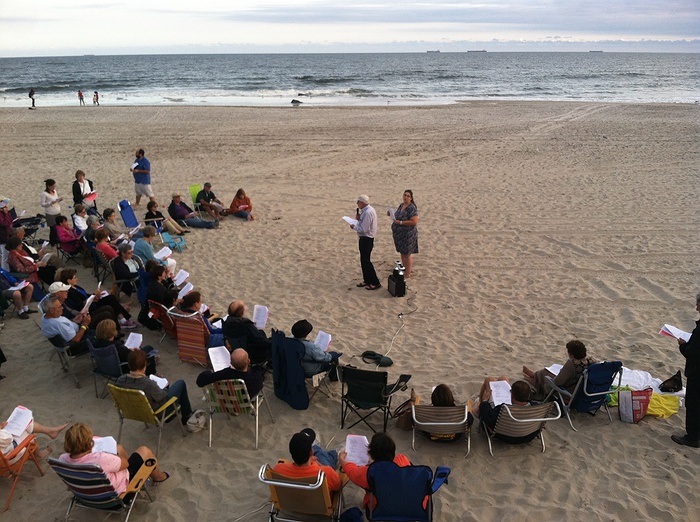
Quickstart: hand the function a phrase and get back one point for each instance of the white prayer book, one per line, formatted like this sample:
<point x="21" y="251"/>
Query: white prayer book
<point x="162" y="382"/>
<point x="46" y="258"/>
<point x="676" y="333"/>
<point x="356" y="447"/>
<point x="185" y="290"/>
<point x="555" y="369"/>
<point x="133" y="342"/>
<point x="219" y="357"/>
<point x="260" y="315"/>
<point x="88" y="302"/>
<point x="163" y="253"/>
<point x="19" y="286"/>
<point x="104" y="444"/>
<point x="181" y="277"/>
<point x="44" y="245"/>
<point x="392" y="214"/>
<point x="120" y="236"/>
<point x="500" y="392"/>
<point x="18" y="421"/>
<point x="323" y="340"/>
<point x="350" y="221"/>
<point x="203" y="308"/>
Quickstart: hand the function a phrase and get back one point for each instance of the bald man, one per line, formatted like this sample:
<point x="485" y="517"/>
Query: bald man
<point x="240" y="368"/>
<point x="241" y="331"/>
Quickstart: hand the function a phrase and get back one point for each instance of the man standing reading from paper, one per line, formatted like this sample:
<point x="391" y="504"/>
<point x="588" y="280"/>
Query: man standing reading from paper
<point x="690" y="349"/>
<point x="141" y="170"/>
<point x="366" y="229"/>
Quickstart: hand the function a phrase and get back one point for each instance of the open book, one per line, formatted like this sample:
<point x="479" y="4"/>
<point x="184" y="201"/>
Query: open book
<point x="674" y="332"/>
<point x="162" y="382"/>
<point x="185" y="290"/>
<point x="356" y="447"/>
<point x="133" y="342"/>
<point x="181" y="277"/>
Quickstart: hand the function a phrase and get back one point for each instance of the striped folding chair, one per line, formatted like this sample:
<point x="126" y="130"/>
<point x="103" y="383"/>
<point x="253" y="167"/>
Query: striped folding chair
<point x="519" y="424"/>
<point x="441" y="423"/>
<point x="133" y="404"/>
<point x="92" y="489"/>
<point x="231" y="397"/>
<point x="160" y="313"/>
<point x="192" y="337"/>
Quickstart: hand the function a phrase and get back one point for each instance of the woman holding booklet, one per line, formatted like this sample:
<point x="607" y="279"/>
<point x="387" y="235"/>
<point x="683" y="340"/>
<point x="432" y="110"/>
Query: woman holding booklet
<point x="120" y="467"/>
<point x="21" y="425"/>
<point x="20" y="262"/>
<point x="106" y="335"/>
<point x="569" y="374"/>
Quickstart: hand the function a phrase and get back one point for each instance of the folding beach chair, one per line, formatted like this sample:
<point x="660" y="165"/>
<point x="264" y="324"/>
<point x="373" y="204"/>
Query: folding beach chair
<point x="134" y="405"/>
<point x="301" y="498"/>
<point x="403" y="493"/>
<point x="160" y="313"/>
<point x="127" y="213"/>
<point x="65" y="353"/>
<point x="441" y="422"/>
<point x="106" y="364"/>
<point x="287" y="373"/>
<point x="192" y="337"/>
<point x="589" y="395"/>
<point x="11" y="464"/>
<point x="102" y="268"/>
<point x="132" y="282"/>
<point x="91" y="488"/>
<point x="194" y="190"/>
<point x="518" y="424"/>
<point x="367" y="390"/>
<point x="31" y="224"/>
<point x="65" y="255"/>
<point x="231" y="397"/>
<point x="175" y="243"/>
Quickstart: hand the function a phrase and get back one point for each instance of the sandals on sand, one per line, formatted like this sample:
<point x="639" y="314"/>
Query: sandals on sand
<point x="360" y="285"/>
<point x="373" y="287"/>
<point x="167" y="476"/>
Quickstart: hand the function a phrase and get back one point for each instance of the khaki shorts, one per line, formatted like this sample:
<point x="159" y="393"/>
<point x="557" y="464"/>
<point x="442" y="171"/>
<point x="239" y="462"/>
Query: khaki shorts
<point x="143" y="190"/>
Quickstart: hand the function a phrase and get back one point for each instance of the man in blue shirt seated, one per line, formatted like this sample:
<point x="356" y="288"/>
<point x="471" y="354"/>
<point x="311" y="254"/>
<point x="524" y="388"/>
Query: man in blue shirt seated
<point x="54" y="324"/>
<point x="182" y="213"/>
<point x="315" y="359"/>
<point x="240" y="368"/>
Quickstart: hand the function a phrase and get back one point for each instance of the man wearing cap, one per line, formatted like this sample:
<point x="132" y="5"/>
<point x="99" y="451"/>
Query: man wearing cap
<point x="182" y="213"/>
<point x="366" y="229"/>
<point x="54" y="324"/>
<point x="209" y="202"/>
<point x="309" y="459"/>
<point x="315" y="360"/>
<point x="141" y="169"/>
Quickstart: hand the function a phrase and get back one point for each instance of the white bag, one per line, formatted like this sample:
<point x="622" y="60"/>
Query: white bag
<point x="197" y="421"/>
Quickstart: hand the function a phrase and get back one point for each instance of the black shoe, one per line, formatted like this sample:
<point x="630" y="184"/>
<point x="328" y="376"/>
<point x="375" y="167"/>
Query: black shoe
<point x="30" y="311"/>
<point x="683" y="440"/>
<point x="23" y="316"/>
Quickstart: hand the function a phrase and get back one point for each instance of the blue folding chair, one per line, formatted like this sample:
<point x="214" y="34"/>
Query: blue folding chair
<point x="127" y="213"/>
<point x="403" y="494"/>
<point x="592" y="388"/>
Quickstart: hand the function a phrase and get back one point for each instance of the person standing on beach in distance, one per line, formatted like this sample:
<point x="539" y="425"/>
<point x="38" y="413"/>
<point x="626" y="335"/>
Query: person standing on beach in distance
<point x="366" y="229"/>
<point x="31" y="95"/>
<point x="141" y="170"/>
<point x="405" y="230"/>
<point x="691" y="351"/>
<point x="96" y="98"/>
<point x="81" y="98"/>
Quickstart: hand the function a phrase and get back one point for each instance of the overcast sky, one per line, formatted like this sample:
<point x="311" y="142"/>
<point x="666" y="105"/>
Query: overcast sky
<point x="71" y="27"/>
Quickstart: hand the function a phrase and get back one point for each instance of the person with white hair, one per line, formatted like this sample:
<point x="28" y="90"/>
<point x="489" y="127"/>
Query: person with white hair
<point x="366" y="229"/>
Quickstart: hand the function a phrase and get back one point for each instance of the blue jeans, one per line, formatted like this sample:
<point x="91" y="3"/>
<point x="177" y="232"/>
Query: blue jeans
<point x="198" y="223"/>
<point x="326" y="458"/>
<point x="179" y="389"/>
<point x="242" y="214"/>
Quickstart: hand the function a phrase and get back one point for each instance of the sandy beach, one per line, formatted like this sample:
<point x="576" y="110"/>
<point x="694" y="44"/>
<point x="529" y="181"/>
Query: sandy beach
<point x="539" y="223"/>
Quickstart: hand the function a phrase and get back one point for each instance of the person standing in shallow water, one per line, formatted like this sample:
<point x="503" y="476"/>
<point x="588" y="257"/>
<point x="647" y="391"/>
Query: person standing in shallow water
<point x="81" y="98"/>
<point x="31" y="95"/>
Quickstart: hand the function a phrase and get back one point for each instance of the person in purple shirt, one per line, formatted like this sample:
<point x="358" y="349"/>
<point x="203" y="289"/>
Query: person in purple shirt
<point x="184" y="214"/>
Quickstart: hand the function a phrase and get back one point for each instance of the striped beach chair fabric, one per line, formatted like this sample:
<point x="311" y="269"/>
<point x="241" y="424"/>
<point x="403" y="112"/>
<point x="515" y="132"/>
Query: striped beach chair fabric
<point x="192" y="337"/>
<point x="231" y="397"/>
<point x="441" y="421"/>
<point x="92" y="489"/>
<point x="523" y="422"/>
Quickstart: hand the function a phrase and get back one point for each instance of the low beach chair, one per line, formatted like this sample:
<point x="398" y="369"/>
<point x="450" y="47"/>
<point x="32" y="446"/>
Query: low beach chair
<point x="518" y="424"/>
<point x="441" y="421"/>
<point x="128" y="215"/>
<point x="175" y="243"/>
<point x="192" y="337"/>
<point x="160" y="313"/>
<point x="194" y="191"/>
<point x="65" y="353"/>
<point x="11" y="464"/>
<point x="106" y="364"/>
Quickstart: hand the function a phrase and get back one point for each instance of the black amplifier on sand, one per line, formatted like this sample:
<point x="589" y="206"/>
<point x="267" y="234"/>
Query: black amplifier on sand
<point x="397" y="286"/>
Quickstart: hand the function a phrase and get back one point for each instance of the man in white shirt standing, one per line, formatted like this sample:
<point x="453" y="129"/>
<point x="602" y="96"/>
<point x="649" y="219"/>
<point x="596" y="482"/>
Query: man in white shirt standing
<point x="366" y="229"/>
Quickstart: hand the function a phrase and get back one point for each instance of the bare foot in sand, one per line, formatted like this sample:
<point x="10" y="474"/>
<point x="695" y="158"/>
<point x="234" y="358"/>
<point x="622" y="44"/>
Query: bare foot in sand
<point x="55" y="431"/>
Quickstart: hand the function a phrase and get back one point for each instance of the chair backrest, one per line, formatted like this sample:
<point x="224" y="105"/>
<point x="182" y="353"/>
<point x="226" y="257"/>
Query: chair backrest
<point x="228" y="396"/>
<point x="399" y="491"/>
<point x="160" y="313"/>
<point x="364" y="388"/>
<point x="444" y="420"/>
<point x="132" y="404"/>
<point x="192" y="337"/>
<point x="53" y="236"/>
<point x="194" y="190"/>
<point x="58" y="342"/>
<point x="287" y="372"/>
<point x="524" y="422"/>
<point x="88" y="483"/>
<point x="106" y="360"/>
<point x="127" y="213"/>
<point x="594" y="385"/>
<point x="306" y="495"/>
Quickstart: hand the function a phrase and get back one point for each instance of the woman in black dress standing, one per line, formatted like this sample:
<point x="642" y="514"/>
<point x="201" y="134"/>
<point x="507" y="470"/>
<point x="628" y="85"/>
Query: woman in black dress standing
<point x="405" y="231"/>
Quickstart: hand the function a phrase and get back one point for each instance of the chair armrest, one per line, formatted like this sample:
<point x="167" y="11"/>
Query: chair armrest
<point x="400" y="385"/>
<point x="553" y="385"/>
<point x="139" y="479"/>
<point x="20" y="447"/>
<point x="170" y="402"/>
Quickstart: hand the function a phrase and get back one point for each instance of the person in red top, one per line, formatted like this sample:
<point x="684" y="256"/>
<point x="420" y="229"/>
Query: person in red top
<point x="381" y="448"/>
<point x="309" y="459"/>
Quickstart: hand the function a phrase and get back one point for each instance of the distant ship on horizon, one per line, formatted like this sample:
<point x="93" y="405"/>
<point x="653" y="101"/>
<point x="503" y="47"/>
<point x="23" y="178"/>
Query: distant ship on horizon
<point x="434" y="51"/>
<point x="477" y="51"/>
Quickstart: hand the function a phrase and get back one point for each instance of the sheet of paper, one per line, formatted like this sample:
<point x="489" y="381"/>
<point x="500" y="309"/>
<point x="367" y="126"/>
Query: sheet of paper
<point x="120" y="236"/>
<point x="500" y="392"/>
<point x="555" y="368"/>
<point x="134" y="341"/>
<point x="136" y="164"/>
<point x="217" y="324"/>
<point x="88" y="302"/>
<point x="323" y="340"/>
<point x="392" y="214"/>
<point x="350" y="221"/>
<point x="674" y="332"/>
<point x="46" y="258"/>
<point x="203" y="308"/>
<point x="356" y="446"/>
<point x="185" y="290"/>
<point x="260" y="315"/>
<point x="219" y="357"/>
<point x="163" y="253"/>
<point x="18" y="421"/>
<point x="104" y="444"/>
<point x="162" y="382"/>
<point x="181" y="277"/>
<point x="44" y="245"/>
<point x="19" y="286"/>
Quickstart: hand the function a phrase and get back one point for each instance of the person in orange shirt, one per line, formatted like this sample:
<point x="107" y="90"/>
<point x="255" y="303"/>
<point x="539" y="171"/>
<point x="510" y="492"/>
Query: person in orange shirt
<point x="381" y="448"/>
<point x="241" y="206"/>
<point x="309" y="458"/>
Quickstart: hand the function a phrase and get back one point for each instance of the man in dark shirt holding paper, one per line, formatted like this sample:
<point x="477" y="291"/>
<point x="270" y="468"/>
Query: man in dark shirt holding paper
<point x="209" y="202"/>
<point x="240" y="368"/>
<point x="241" y="332"/>
<point x="691" y="351"/>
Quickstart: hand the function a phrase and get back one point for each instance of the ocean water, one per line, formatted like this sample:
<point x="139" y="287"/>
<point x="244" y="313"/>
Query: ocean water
<point x="351" y="79"/>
